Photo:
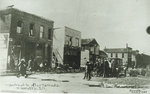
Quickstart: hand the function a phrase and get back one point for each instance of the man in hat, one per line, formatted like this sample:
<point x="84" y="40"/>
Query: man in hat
<point x="22" y="68"/>
<point x="89" y="69"/>
<point x="85" y="74"/>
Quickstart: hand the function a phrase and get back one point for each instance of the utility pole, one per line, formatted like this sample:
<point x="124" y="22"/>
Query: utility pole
<point x="127" y="55"/>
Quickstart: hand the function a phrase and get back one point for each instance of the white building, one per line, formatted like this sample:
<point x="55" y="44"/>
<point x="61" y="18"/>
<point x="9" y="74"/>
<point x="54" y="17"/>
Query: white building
<point x="67" y="45"/>
<point x="126" y="55"/>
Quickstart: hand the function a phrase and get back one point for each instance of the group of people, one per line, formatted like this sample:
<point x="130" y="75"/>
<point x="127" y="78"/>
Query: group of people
<point x="88" y="70"/>
<point x="110" y="68"/>
<point x="107" y="68"/>
<point x="31" y="65"/>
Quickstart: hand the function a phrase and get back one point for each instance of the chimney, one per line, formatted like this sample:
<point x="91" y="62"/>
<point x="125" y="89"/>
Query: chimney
<point x="126" y="45"/>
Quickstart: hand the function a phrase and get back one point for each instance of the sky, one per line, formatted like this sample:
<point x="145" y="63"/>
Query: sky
<point x="113" y="23"/>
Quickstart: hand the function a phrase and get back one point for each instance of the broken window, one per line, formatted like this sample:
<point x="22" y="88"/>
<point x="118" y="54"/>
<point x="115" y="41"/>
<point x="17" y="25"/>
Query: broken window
<point x="77" y="41"/>
<point x="19" y="27"/>
<point x="31" y="30"/>
<point x="41" y="32"/>
<point x="68" y="40"/>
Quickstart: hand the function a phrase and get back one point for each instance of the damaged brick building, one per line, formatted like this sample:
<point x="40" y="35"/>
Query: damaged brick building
<point x="29" y="36"/>
<point x="67" y="46"/>
<point x="92" y="46"/>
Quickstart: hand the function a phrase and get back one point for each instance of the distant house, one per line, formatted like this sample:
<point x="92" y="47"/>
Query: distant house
<point x="102" y="54"/>
<point x="126" y="55"/>
<point x="92" y="46"/>
<point x="67" y="46"/>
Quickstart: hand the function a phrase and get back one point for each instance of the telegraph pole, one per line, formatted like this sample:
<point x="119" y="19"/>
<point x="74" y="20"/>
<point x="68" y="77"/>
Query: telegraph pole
<point x="127" y="55"/>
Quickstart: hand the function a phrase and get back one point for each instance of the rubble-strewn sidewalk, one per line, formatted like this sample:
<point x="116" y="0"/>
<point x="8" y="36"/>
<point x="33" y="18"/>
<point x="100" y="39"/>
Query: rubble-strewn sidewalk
<point x="126" y="82"/>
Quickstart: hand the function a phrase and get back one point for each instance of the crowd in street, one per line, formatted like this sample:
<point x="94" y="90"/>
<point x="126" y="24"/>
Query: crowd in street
<point x="32" y="65"/>
<point x="107" y="68"/>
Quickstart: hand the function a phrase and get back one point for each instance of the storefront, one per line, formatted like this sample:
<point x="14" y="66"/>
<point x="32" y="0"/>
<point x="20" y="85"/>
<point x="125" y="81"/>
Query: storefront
<point x="72" y="57"/>
<point x="28" y="48"/>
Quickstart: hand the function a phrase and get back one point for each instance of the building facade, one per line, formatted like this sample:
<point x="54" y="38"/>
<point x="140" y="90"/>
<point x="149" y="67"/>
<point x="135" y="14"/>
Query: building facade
<point x="126" y="55"/>
<point x="93" y="47"/>
<point x="29" y="36"/>
<point x="67" y="45"/>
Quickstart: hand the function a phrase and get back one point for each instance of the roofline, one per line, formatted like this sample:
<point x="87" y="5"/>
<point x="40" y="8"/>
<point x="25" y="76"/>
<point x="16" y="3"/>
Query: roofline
<point x="72" y="29"/>
<point x="118" y="48"/>
<point x="43" y="18"/>
<point x="91" y="39"/>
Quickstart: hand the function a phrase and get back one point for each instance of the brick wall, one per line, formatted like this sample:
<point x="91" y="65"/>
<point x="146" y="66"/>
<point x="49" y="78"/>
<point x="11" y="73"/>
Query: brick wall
<point x="74" y="34"/>
<point x="5" y="22"/>
<point x="28" y="19"/>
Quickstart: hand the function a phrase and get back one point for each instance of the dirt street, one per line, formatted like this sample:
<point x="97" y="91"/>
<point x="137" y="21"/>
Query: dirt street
<point x="70" y="83"/>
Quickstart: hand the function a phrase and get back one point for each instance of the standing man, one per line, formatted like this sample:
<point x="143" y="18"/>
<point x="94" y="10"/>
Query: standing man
<point x="22" y="68"/>
<point x="30" y="64"/>
<point x="85" y="62"/>
<point x="106" y="68"/>
<point x="113" y="69"/>
<point x="110" y="68"/>
<point x="89" y="69"/>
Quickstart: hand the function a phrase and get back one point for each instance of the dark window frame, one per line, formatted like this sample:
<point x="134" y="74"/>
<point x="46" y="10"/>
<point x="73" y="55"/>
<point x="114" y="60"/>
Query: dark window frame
<point x="42" y="31"/>
<point x="31" y="27"/>
<point x="111" y="54"/>
<point x="122" y="55"/>
<point x="19" y="25"/>
<point x="49" y="33"/>
<point x="116" y="55"/>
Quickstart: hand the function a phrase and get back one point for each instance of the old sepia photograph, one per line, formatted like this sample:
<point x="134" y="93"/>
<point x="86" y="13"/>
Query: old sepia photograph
<point x="75" y="46"/>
